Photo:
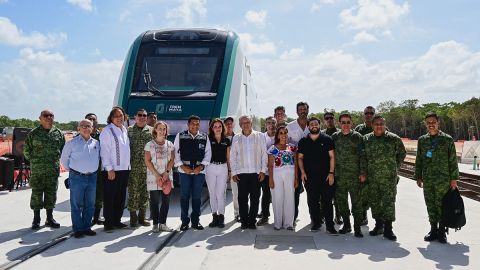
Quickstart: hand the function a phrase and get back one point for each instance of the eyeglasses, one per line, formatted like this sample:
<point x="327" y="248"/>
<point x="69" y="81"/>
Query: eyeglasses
<point x="141" y="115"/>
<point x="85" y="126"/>
<point x="369" y="113"/>
<point x="328" y="118"/>
<point x="46" y="115"/>
<point x="345" y="122"/>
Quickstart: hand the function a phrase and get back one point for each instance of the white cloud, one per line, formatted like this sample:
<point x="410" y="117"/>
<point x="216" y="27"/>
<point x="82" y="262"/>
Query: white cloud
<point x="447" y="72"/>
<point x="251" y="46"/>
<point x="11" y="35"/>
<point x="364" y="37"/>
<point x="187" y="12"/>
<point x="44" y="79"/>
<point x="82" y="4"/>
<point x="373" y="14"/>
<point x="292" y="53"/>
<point x="316" y="6"/>
<point x="258" y="18"/>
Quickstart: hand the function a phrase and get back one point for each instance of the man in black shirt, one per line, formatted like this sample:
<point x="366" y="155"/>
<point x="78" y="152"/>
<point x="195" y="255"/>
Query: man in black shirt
<point x="316" y="160"/>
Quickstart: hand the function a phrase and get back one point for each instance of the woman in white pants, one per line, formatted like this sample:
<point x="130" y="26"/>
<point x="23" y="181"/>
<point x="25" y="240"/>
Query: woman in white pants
<point x="282" y="165"/>
<point x="217" y="172"/>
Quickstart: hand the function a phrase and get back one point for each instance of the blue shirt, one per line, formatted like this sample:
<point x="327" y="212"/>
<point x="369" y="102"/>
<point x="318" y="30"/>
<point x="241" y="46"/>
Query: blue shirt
<point x="81" y="155"/>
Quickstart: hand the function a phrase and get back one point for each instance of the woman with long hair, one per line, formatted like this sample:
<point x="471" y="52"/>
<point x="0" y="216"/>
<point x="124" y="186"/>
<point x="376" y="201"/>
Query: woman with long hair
<point x="282" y="165"/>
<point x="217" y="173"/>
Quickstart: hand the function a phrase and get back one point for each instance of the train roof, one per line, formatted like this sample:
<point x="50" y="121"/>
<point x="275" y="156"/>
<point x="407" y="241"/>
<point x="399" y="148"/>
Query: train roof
<point x="186" y="35"/>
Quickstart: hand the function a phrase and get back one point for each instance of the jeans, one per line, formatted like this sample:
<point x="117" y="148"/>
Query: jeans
<point x="191" y="186"/>
<point x="159" y="216"/>
<point x="82" y="200"/>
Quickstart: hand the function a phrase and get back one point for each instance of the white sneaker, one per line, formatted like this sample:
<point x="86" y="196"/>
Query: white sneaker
<point x="155" y="228"/>
<point x="165" y="228"/>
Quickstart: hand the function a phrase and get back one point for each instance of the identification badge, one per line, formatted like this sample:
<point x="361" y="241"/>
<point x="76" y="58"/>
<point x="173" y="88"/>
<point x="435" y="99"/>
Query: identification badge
<point x="429" y="153"/>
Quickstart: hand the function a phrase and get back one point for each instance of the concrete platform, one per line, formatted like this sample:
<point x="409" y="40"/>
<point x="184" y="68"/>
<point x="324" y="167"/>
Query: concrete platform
<point x="468" y="168"/>
<point x="233" y="248"/>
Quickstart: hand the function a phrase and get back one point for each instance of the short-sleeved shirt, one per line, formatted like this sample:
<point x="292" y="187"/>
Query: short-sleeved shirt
<point x="283" y="158"/>
<point x="161" y="155"/>
<point x="219" y="149"/>
<point x="316" y="159"/>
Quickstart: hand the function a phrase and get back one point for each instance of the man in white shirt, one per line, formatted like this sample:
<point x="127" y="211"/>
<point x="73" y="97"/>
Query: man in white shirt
<point x="297" y="130"/>
<point x="248" y="159"/>
<point x="193" y="153"/>
<point x="115" y="154"/>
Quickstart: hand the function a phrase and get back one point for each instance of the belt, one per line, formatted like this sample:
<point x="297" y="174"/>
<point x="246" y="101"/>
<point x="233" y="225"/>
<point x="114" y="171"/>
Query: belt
<point x="82" y="174"/>
<point x="217" y="163"/>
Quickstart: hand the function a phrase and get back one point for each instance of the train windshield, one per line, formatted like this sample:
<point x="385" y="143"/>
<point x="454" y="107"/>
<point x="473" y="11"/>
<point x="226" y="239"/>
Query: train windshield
<point x="164" y="69"/>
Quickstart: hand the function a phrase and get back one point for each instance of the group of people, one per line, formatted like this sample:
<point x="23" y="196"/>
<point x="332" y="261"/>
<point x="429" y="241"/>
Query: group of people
<point x="277" y="165"/>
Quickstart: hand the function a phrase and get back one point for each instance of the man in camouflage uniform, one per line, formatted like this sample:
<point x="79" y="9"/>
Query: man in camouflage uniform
<point x="348" y="148"/>
<point x="99" y="191"/>
<point x="383" y="154"/>
<point x="364" y="129"/>
<point x="139" y="134"/>
<point x="43" y="147"/>
<point x="329" y="121"/>
<point x="436" y="170"/>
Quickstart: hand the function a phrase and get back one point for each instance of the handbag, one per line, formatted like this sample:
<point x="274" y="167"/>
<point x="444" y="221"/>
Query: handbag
<point x="167" y="186"/>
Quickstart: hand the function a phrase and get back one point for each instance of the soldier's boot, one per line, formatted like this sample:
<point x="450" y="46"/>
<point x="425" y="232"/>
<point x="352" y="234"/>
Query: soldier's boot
<point x="347" y="227"/>
<point x="442" y="236"/>
<point x="141" y="218"/>
<point x="388" y="231"/>
<point x="378" y="229"/>
<point x="133" y="219"/>
<point x="36" y="220"/>
<point x="51" y="222"/>
<point x="358" y="231"/>
<point x="96" y="217"/>
<point x="221" y="221"/>
<point x="433" y="234"/>
<point x="214" y="222"/>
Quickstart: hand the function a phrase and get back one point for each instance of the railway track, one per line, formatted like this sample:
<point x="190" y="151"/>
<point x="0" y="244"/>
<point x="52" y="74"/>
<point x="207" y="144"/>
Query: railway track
<point x="468" y="184"/>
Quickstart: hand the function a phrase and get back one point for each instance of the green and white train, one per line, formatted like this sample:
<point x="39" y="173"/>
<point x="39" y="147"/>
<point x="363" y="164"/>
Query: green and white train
<point x="180" y="72"/>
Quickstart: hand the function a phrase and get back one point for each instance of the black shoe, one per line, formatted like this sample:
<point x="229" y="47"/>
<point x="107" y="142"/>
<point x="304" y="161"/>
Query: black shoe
<point x="35" y="225"/>
<point x="378" y="229"/>
<point x="442" y="236"/>
<point x="433" y="234"/>
<point x="78" y="235"/>
<point x="120" y="226"/>
<point x="214" y="222"/>
<point x="358" y="234"/>
<point x="197" y="226"/>
<point x="345" y="229"/>
<point x="52" y="223"/>
<point x="89" y="232"/>
<point x="184" y="227"/>
<point x="108" y="229"/>
<point x="388" y="231"/>
<point x="252" y="226"/>
<point x="315" y="227"/>
<point x="221" y="221"/>
<point x="244" y="226"/>
<point x="262" y="221"/>
<point x="332" y="230"/>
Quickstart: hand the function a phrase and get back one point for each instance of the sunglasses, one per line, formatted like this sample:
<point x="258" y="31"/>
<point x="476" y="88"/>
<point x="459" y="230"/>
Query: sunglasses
<point x="345" y="122"/>
<point x="46" y="115"/>
<point x="328" y="118"/>
<point x="141" y="115"/>
<point x="369" y="113"/>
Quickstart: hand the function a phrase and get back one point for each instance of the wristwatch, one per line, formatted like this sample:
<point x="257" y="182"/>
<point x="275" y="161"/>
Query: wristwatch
<point x="331" y="173"/>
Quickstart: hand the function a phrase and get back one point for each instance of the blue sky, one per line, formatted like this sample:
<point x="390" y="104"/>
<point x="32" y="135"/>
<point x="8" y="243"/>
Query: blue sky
<point x="340" y="54"/>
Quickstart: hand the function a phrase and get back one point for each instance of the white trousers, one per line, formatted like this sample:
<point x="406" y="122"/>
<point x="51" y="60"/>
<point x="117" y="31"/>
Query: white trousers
<point x="283" y="198"/>
<point x="216" y="176"/>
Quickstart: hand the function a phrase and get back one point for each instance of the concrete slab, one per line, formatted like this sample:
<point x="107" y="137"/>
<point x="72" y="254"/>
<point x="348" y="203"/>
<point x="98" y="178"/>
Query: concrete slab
<point x="468" y="168"/>
<point x="233" y="248"/>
